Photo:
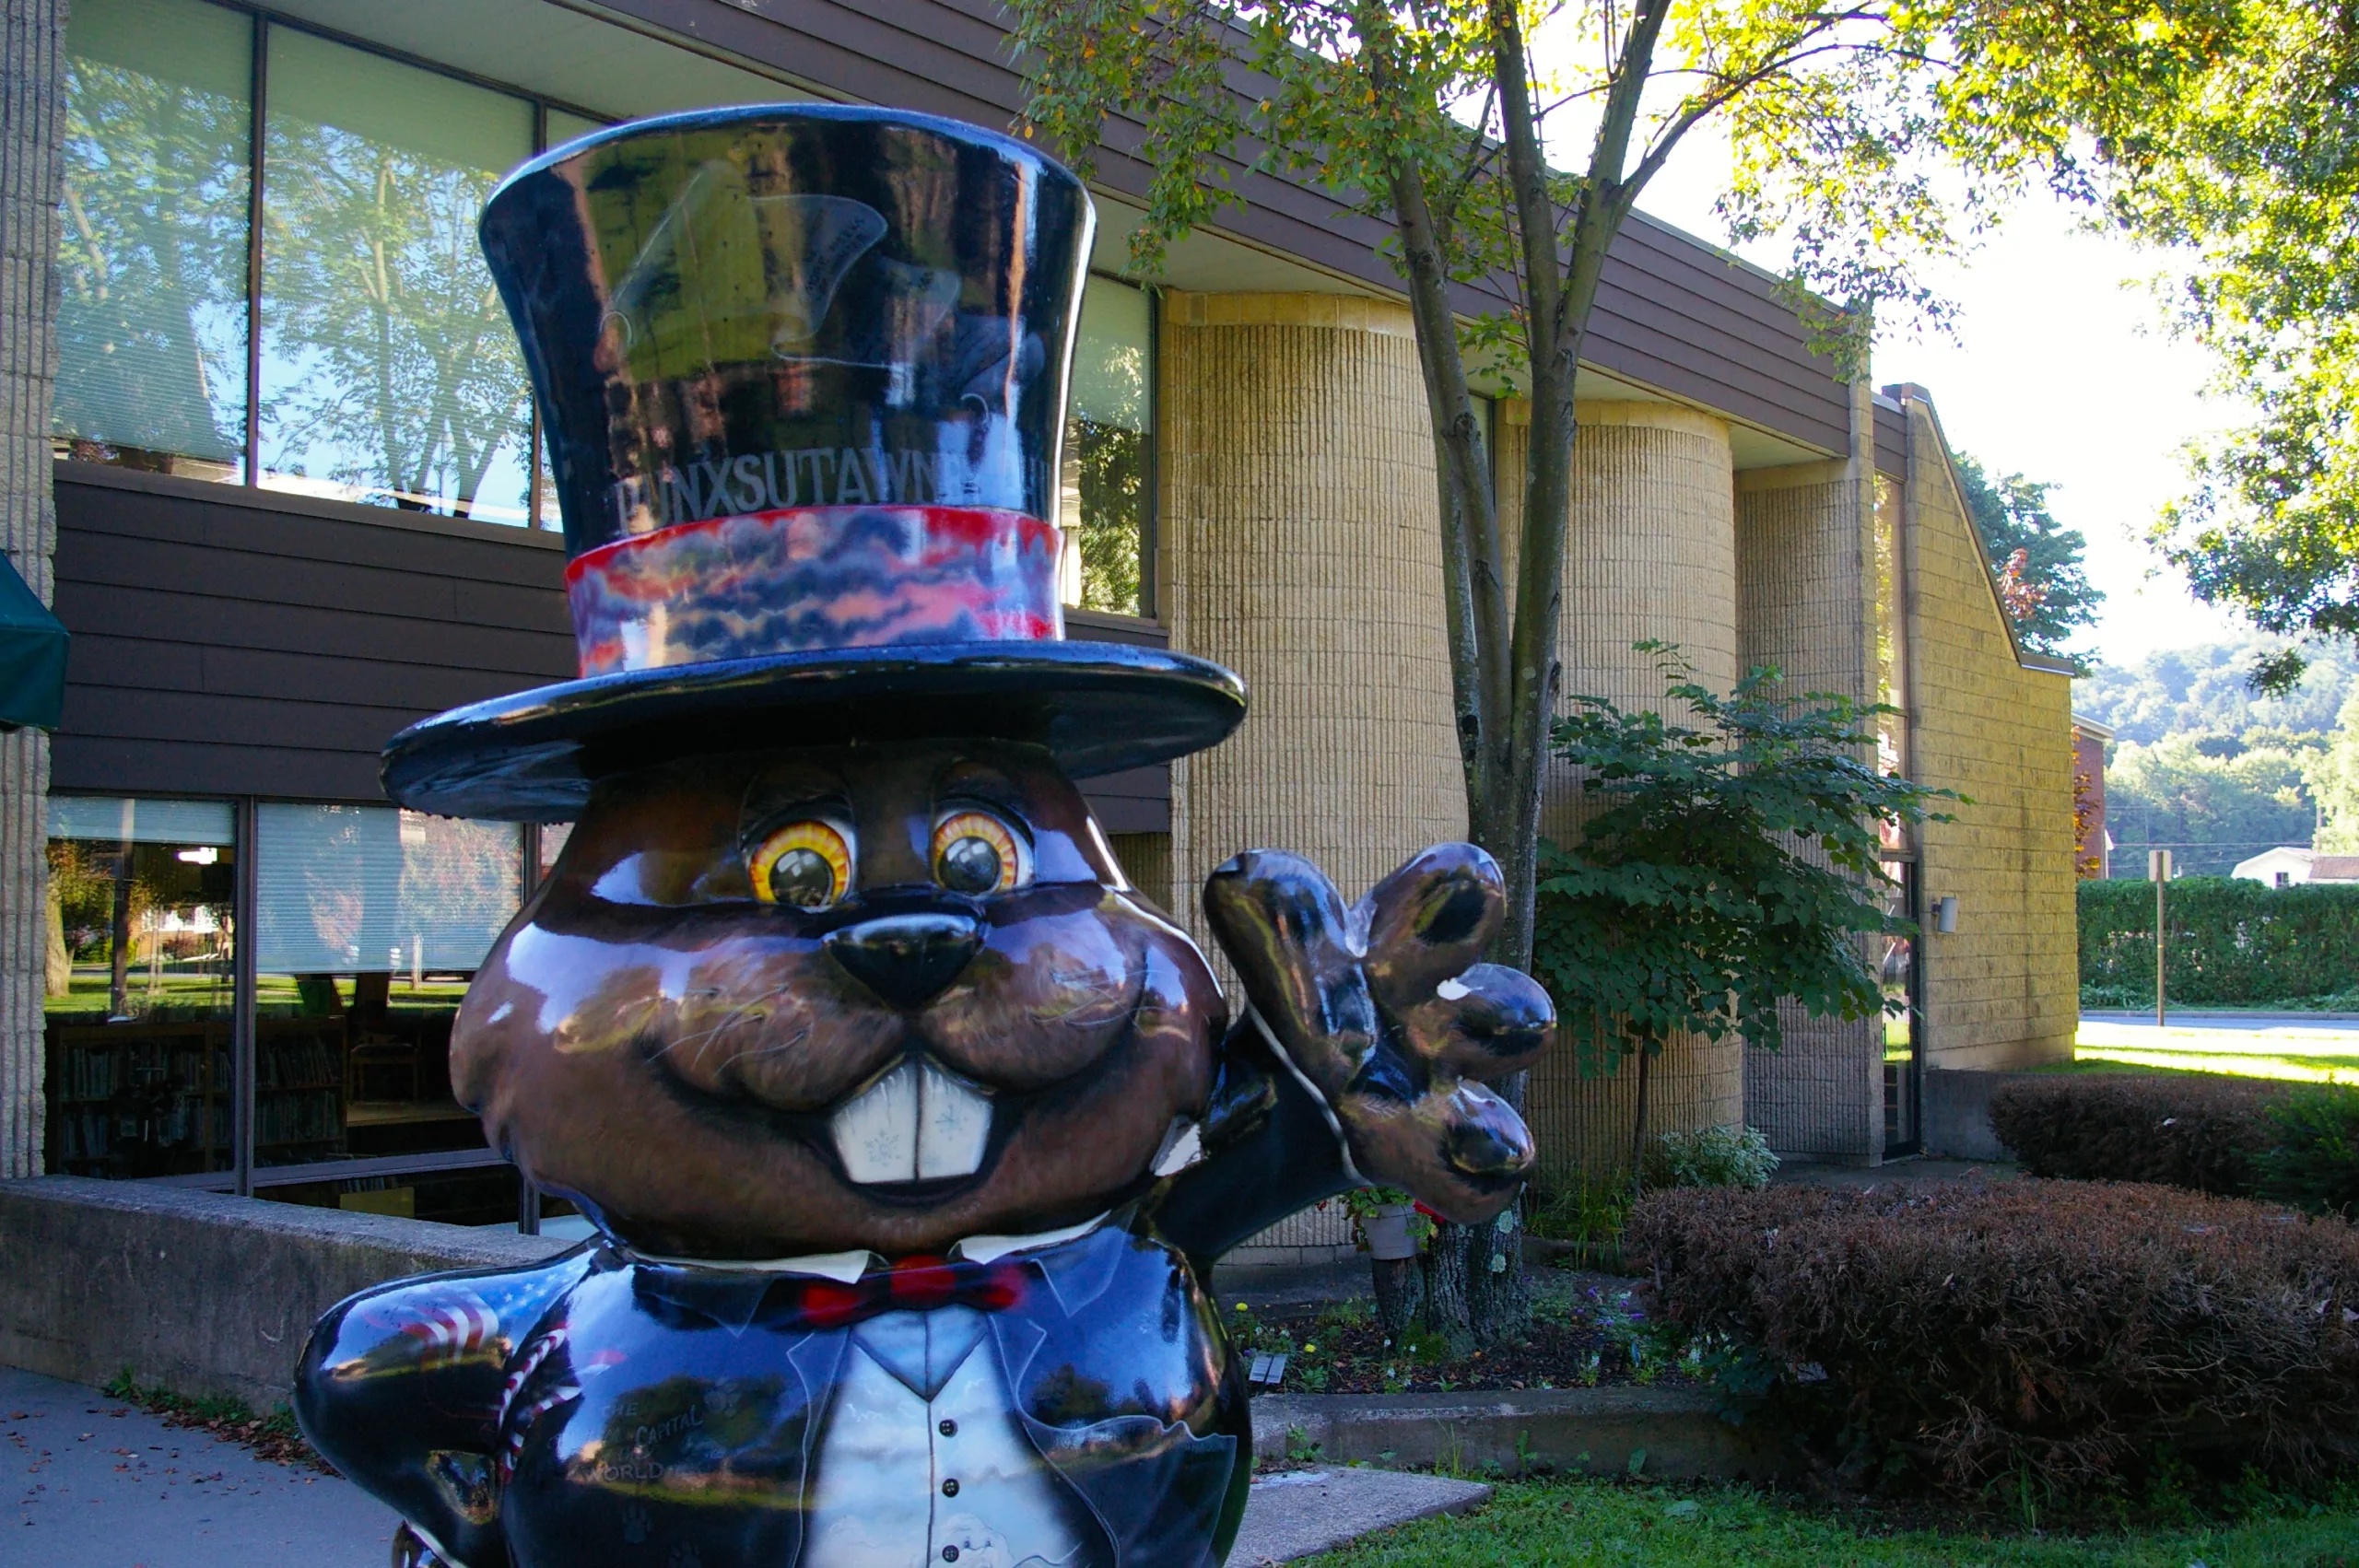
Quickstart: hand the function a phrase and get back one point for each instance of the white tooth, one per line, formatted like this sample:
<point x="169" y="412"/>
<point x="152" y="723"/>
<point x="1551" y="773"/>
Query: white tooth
<point x="954" y="1123"/>
<point x="917" y="1123"/>
<point x="876" y="1135"/>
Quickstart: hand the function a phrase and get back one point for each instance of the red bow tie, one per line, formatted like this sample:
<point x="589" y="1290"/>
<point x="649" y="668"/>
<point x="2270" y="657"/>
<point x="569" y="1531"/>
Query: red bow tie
<point x="913" y="1284"/>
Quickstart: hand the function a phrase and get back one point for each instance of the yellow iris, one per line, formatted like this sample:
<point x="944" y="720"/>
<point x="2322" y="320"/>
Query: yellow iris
<point x="976" y="853"/>
<point x="807" y="864"/>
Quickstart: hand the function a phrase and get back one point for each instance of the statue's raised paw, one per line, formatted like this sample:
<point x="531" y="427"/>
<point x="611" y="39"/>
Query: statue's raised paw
<point x="1384" y="1007"/>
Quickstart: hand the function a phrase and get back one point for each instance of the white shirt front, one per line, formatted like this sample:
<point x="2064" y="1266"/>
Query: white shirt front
<point x="925" y="1462"/>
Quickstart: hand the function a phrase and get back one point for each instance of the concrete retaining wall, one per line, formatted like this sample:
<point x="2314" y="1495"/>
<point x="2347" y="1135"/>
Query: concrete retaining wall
<point x="1956" y="1114"/>
<point x="1569" y="1431"/>
<point x="198" y="1291"/>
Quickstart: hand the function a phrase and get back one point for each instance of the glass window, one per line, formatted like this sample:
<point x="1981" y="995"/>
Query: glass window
<point x="1891" y="652"/>
<point x="138" y="1012"/>
<point x="369" y="923"/>
<point x="151" y="324"/>
<point x="1898" y="975"/>
<point x="478" y="1195"/>
<point x="565" y="126"/>
<point x="1107" y="505"/>
<point x="389" y="370"/>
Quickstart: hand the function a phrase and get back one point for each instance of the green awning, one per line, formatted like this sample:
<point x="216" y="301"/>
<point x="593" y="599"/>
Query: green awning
<point x="32" y="655"/>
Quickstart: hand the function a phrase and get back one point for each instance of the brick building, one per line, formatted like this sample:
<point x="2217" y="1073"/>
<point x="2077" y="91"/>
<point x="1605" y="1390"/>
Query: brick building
<point x="227" y="961"/>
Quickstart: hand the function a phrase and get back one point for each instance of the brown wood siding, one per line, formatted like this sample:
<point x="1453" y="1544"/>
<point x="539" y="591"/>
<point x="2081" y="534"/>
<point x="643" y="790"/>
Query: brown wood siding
<point x="228" y="642"/>
<point x="1672" y="312"/>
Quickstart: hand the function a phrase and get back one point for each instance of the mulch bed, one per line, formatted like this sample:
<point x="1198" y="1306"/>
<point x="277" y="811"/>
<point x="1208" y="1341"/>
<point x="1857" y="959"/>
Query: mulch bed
<point x="1586" y="1331"/>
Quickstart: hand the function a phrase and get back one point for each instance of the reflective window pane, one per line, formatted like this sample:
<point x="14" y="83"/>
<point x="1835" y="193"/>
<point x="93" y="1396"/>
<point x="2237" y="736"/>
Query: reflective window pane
<point x="390" y="373"/>
<point x="483" y="1196"/>
<point x="138" y="1012"/>
<point x="563" y="127"/>
<point x="151" y="324"/>
<point x="369" y="923"/>
<point x="1109" y="430"/>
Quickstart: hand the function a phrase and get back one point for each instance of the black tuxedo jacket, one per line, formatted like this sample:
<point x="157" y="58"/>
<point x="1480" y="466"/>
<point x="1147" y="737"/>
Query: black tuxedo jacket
<point x="607" y="1409"/>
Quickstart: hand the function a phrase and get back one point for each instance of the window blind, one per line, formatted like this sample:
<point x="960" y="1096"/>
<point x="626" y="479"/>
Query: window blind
<point x="345" y="890"/>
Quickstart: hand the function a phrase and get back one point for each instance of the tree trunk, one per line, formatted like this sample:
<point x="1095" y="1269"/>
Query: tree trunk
<point x="1400" y="1286"/>
<point x="1447" y="1255"/>
<point x="1499" y="1299"/>
<point x="1505" y="671"/>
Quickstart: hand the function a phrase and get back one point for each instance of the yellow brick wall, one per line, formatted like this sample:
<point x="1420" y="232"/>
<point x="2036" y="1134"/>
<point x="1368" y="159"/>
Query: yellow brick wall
<point x="1650" y="552"/>
<point x="2001" y="991"/>
<point x="1806" y="604"/>
<point x="1298" y="547"/>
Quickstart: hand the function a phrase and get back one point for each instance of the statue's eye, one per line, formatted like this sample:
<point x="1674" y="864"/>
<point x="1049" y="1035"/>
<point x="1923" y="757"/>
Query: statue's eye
<point x="807" y="864"/>
<point x="975" y="852"/>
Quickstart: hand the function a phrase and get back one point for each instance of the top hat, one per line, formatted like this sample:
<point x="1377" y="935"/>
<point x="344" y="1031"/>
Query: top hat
<point x="803" y="374"/>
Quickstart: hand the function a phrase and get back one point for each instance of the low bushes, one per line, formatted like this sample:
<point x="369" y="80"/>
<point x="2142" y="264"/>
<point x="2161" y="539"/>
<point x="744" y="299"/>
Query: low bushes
<point x="2194" y="1131"/>
<point x="2313" y="1161"/>
<point x="2066" y="1335"/>
<point x="2236" y="1137"/>
<point x="1709" y="1156"/>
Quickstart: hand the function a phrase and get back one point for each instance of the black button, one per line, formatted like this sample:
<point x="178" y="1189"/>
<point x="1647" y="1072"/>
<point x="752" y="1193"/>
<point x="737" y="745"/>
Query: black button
<point x="950" y="1428"/>
<point x="950" y="1554"/>
<point x="950" y="1487"/>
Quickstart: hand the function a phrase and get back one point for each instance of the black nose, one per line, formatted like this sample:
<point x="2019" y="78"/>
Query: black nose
<point x="906" y="959"/>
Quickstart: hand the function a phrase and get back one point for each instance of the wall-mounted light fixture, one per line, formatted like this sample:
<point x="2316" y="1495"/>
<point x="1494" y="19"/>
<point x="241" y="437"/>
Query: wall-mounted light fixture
<point x="1945" y="914"/>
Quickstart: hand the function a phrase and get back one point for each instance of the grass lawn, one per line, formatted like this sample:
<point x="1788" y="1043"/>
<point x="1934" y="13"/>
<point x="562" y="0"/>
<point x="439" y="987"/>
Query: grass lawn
<point x="2312" y="1053"/>
<point x="1577" y="1524"/>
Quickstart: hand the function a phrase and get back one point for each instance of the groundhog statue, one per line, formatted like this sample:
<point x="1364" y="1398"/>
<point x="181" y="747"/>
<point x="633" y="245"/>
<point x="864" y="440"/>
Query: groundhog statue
<point x="909" y="1128"/>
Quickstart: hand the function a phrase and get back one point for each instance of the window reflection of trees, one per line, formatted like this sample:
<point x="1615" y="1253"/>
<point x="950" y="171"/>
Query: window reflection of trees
<point x="394" y="369"/>
<point x="152" y="245"/>
<point x="1114" y="514"/>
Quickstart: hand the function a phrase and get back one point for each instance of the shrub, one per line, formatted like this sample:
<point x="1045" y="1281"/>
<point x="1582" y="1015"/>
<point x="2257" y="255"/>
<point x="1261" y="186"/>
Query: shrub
<point x="2191" y="1131"/>
<point x="2231" y="942"/>
<point x="2077" y="1333"/>
<point x="2314" y="1158"/>
<point x="1586" y="1211"/>
<point x="1710" y="1156"/>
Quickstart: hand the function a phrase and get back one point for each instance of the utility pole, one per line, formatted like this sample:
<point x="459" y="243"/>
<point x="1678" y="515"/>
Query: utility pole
<point x="2158" y="866"/>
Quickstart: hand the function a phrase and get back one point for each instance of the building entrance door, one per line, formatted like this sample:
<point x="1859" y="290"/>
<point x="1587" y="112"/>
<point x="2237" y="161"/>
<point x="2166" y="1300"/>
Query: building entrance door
<point x="1903" y="1016"/>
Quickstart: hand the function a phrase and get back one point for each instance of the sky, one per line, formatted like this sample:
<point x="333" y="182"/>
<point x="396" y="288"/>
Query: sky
<point x="2060" y="372"/>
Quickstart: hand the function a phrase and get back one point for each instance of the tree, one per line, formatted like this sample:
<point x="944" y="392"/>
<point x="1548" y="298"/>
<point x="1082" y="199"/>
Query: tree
<point x="1736" y="864"/>
<point x="2256" y="177"/>
<point x="2038" y="559"/>
<point x="2204" y="690"/>
<point x="2212" y="799"/>
<point x="1435" y="117"/>
<point x="2333" y="775"/>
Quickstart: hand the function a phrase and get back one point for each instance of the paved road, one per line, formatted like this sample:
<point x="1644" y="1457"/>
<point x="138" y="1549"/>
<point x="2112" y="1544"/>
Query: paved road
<point x="101" y="1484"/>
<point x="2328" y="1023"/>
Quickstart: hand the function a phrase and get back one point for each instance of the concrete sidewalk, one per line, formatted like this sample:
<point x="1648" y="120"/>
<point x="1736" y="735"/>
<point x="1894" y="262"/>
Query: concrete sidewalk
<point x="101" y="1484"/>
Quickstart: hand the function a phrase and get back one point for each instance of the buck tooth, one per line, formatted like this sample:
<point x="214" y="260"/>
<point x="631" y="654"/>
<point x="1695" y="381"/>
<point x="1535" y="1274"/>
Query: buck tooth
<point x="876" y="1133"/>
<point x="954" y="1123"/>
<point x="917" y="1123"/>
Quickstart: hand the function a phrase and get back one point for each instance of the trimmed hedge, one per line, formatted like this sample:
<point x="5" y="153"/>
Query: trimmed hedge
<point x="2182" y="1131"/>
<point x="2231" y="942"/>
<point x="2070" y="1336"/>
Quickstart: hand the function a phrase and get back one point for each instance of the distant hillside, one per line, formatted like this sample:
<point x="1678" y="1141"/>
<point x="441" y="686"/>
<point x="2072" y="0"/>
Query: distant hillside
<point x="2201" y="691"/>
<point x="2200" y="764"/>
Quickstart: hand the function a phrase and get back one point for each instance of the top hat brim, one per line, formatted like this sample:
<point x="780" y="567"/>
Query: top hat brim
<point x="534" y="757"/>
